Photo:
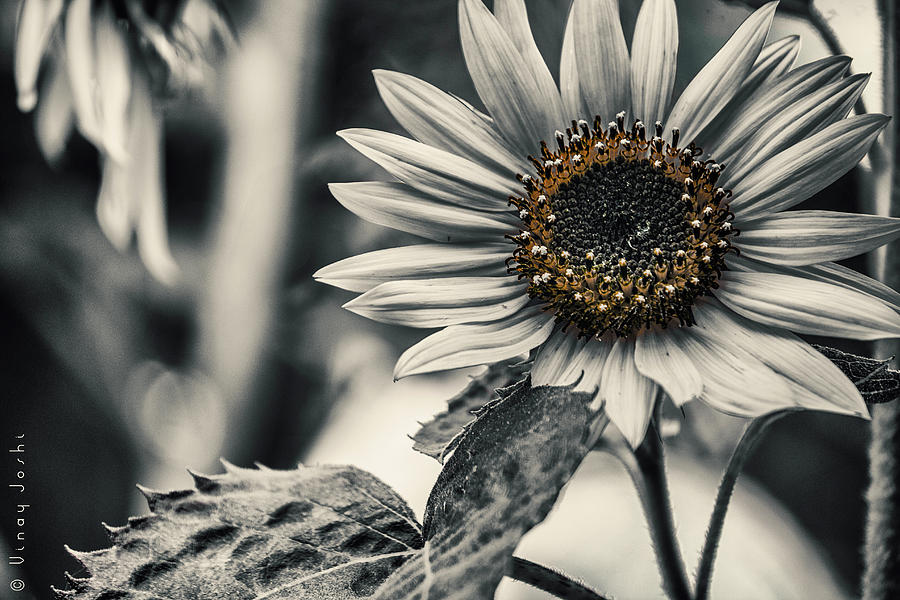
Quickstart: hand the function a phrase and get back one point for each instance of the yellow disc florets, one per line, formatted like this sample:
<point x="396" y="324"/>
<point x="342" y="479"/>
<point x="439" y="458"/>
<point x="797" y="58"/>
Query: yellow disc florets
<point x="620" y="232"/>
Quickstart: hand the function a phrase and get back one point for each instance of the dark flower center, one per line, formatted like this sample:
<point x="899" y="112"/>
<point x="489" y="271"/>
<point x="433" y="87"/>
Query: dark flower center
<point x="621" y="233"/>
<point x="624" y="208"/>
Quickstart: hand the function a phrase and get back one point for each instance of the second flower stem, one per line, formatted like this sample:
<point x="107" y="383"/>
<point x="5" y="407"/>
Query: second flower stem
<point x="752" y="434"/>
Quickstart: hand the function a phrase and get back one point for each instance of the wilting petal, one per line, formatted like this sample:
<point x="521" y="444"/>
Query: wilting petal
<point x="362" y="273"/>
<point x="442" y="302"/>
<point x="814" y="381"/>
<point x="795" y="174"/>
<point x="805" y="237"/>
<point x="807" y="306"/>
<point x="827" y="272"/>
<point x="439" y="173"/>
<point x="208" y="25"/>
<point x="773" y="61"/>
<point x="793" y="122"/>
<point x="519" y="94"/>
<point x="626" y="393"/>
<point x="713" y="87"/>
<point x="604" y="69"/>
<point x="438" y="119"/>
<point x="115" y="210"/>
<point x="81" y="64"/>
<point x="146" y="180"/>
<point x="113" y="71"/>
<point x="766" y="101"/>
<point x="569" y="83"/>
<point x="401" y="207"/>
<point x="54" y="117"/>
<point x="469" y="345"/>
<point x="654" y="51"/>
<point x="658" y="357"/>
<point x="37" y="18"/>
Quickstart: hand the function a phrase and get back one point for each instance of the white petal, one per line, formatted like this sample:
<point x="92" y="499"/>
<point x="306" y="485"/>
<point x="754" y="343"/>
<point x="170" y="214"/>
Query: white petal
<point x="795" y="174"/>
<point x="437" y="172"/>
<point x="604" y="69"/>
<point x="113" y="70"/>
<point x="767" y="101"/>
<point x="469" y="345"/>
<point x="362" y="273"/>
<point x="569" y="83"/>
<point x="589" y="364"/>
<point x="37" y="19"/>
<point x="512" y="16"/>
<point x="438" y="119"/>
<point x="80" y="61"/>
<point x="773" y="62"/>
<point x="792" y="123"/>
<point x="828" y="272"/>
<point x="654" y="50"/>
<point x="442" y="302"/>
<point x="564" y="359"/>
<point x="805" y="237"/>
<point x="657" y="356"/>
<point x="717" y="82"/>
<point x="807" y="306"/>
<point x="401" y="207"/>
<point x="55" y="116"/>
<point x="520" y="94"/>
<point x="814" y="381"/>
<point x="553" y="359"/>
<point x="734" y="381"/>
<point x="627" y="394"/>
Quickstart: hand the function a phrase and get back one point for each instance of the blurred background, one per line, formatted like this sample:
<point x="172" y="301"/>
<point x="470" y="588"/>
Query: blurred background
<point x="115" y="377"/>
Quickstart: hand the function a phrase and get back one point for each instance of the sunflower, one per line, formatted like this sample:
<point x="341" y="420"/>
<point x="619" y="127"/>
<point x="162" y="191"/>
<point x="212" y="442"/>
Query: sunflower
<point x="106" y="67"/>
<point x="630" y="244"/>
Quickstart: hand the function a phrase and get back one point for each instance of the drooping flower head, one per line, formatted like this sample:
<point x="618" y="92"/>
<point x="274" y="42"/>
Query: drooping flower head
<point x="627" y="241"/>
<point x="106" y="64"/>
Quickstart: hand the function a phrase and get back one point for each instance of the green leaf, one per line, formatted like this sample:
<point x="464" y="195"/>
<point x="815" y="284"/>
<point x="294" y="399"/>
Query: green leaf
<point x="322" y="533"/>
<point x="434" y="437"/>
<point x="875" y="381"/>
<point x="503" y="478"/>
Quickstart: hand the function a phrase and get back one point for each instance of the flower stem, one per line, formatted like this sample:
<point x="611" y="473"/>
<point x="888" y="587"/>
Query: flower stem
<point x="752" y="434"/>
<point x="881" y="579"/>
<point x="649" y="475"/>
<point x="550" y="581"/>
<point x="882" y="553"/>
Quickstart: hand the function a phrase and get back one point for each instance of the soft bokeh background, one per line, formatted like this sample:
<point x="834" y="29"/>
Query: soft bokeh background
<point x="115" y="378"/>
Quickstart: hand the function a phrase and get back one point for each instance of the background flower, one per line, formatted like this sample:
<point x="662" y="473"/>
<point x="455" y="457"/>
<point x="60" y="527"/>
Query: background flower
<point x="108" y="67"/>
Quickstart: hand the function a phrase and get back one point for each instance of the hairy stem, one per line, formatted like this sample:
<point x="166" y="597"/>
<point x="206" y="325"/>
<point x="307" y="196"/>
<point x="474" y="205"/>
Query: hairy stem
<point x="881" y="579"/>
<point x="550" y="581"/>
<point x="649" y="475"/>
<point x="752" y="434"/>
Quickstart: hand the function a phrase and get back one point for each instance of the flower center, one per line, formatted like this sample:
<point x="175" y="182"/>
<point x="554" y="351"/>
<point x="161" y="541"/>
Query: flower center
<point x="621" y="233"/>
